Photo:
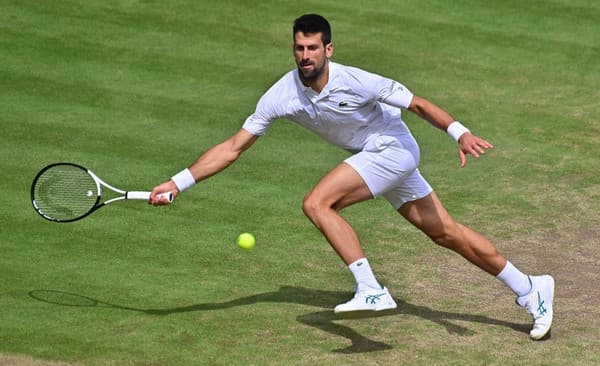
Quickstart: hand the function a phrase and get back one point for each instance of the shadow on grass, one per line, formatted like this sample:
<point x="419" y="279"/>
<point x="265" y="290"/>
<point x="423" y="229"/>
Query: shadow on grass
<point x="324" y="320"/>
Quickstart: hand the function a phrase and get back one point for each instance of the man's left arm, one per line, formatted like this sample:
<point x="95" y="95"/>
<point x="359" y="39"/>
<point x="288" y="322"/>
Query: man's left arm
<point x="468" y="143"/>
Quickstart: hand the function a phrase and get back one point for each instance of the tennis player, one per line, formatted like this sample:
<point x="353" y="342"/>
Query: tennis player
<point x="361" y="113"/>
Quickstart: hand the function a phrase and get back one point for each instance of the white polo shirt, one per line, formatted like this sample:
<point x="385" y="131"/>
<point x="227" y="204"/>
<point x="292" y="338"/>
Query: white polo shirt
<point x="354" y="106"/>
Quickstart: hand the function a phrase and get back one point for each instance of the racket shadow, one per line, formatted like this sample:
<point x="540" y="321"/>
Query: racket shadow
<point x="324" y="320"/>
<point x="286" y="294"/>
<point x="64" y="298"/>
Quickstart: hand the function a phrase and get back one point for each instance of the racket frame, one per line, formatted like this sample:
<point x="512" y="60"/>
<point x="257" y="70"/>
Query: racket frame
<point x="124" y="195"/>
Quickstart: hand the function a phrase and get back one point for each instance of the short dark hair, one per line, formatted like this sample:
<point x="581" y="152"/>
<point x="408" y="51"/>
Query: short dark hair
<point x="311" y="24"/>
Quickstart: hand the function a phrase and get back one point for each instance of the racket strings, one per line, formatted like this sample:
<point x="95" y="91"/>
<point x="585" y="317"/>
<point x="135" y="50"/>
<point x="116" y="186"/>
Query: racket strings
<point x="65" y="192"/>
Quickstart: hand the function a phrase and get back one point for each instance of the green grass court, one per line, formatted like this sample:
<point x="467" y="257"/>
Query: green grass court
<point x="136" y="90"/>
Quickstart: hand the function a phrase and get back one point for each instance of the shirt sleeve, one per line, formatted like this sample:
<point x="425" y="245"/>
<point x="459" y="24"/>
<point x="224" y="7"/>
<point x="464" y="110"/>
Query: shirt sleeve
<point x="259" y="122"/>
<point x="268" y="109"/>
<point x="382" y="89"/>
<point x="395" y="94"/>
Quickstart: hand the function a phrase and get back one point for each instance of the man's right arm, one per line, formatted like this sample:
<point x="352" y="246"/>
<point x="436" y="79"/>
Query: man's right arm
<point x="222" y="155"/>
<point x="209" y="163"/>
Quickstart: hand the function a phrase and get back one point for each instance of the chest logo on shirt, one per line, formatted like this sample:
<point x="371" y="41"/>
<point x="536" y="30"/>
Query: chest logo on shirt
<point x="343" y="104"/>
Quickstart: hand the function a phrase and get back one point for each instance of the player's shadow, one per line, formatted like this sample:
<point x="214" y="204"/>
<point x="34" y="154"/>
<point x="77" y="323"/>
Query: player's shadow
<point x="324" y="320"/>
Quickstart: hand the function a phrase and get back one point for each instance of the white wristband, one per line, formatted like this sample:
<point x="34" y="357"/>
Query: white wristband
<point x="456" y="130"/>
<point x="183" y="180"/>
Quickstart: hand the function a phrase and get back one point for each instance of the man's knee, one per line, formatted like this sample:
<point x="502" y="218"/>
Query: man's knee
<point x="311" y="206"/>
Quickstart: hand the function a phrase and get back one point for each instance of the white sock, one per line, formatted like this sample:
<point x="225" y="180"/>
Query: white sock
<point x="363" y="274"/>
<point x="518" y="282"/>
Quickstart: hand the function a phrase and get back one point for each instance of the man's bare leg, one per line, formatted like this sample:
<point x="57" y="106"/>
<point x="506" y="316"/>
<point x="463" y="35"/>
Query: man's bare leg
<point x="429" y="215"/>
<point x="535" y="293"/>
<point x="340" y="188"/>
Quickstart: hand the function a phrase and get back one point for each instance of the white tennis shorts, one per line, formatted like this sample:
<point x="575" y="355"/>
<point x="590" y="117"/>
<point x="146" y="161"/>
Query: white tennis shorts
<point x="389" y="167"/>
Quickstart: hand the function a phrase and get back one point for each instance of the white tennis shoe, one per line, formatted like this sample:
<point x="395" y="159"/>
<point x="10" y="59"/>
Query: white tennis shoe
<point x="368" y="299"/>
<point x="538" y="302"/>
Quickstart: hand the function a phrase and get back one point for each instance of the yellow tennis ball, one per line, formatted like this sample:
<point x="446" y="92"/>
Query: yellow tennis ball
<point x="246" y="241"/>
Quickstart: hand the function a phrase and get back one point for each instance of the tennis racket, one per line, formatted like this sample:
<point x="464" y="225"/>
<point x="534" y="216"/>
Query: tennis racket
<point x="65" y="192"/>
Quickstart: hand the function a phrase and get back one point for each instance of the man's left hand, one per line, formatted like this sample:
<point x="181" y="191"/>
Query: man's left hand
<point x="471" y="144"/>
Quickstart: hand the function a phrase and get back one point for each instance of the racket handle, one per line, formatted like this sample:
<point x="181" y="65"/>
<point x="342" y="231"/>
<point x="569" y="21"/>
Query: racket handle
<point x="145" y="196"/>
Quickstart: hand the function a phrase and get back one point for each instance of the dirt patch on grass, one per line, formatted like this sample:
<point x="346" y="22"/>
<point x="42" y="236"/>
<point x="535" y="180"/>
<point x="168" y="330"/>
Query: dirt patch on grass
<point x="569" y="252"/>
<point x="467" y="314"/>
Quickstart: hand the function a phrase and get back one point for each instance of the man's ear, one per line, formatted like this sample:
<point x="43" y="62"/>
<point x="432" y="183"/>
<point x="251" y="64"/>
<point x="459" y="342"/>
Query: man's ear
<point x="329" y="50"/>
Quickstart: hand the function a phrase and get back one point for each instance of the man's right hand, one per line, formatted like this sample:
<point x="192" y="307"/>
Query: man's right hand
<point x="166" y="187"/>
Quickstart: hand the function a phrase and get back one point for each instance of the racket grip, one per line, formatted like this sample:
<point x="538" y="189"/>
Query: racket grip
<point x="145" y="196"/>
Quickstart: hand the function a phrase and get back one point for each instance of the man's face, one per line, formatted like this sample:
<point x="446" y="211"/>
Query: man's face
<point x="311" y="55"/>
